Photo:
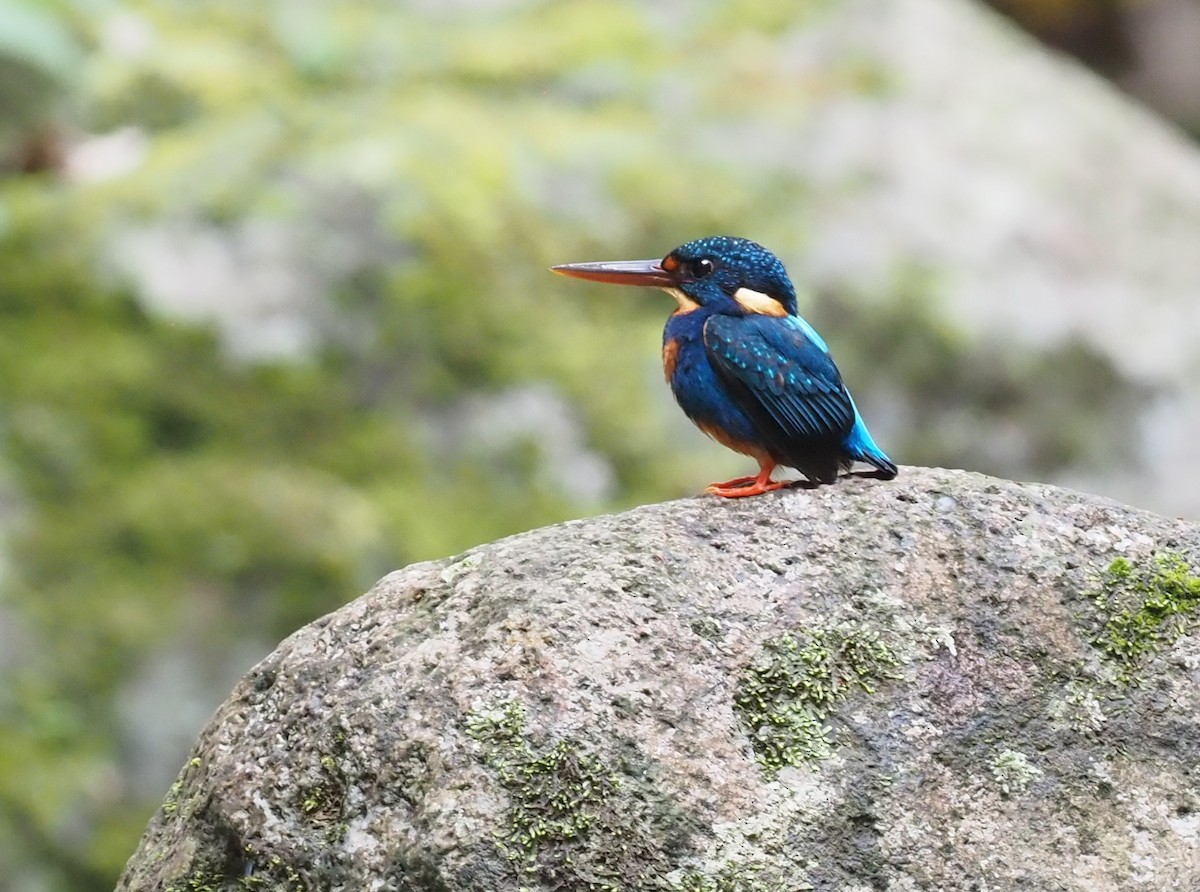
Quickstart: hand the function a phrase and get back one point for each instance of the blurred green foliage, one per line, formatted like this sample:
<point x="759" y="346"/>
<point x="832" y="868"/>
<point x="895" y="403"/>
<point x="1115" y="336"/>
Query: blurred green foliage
<point x="163" y="491"/>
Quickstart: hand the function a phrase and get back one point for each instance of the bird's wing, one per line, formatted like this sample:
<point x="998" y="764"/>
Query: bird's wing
<point x="787" y="374"/>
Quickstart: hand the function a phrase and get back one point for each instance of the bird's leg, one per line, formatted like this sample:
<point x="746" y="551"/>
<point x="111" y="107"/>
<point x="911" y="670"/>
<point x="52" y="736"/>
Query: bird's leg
<point x="748" y="486"/>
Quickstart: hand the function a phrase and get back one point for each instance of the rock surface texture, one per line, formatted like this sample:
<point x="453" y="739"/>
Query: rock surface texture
<point x="938" y="683"/>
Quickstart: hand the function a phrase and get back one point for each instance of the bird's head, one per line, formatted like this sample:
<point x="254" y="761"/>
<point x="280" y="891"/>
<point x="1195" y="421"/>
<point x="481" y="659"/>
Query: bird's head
<point x="723" y="274"/>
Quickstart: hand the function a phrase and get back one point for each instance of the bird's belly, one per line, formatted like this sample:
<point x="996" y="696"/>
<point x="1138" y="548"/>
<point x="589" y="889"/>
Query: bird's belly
<point x="706" y="401"/>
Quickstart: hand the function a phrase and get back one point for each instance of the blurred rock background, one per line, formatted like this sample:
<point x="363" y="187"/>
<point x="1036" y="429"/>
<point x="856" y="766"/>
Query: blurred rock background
<point x="274" y="314"/>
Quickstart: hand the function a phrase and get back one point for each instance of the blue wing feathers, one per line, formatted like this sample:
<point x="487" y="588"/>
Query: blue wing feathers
<point x="782" y="372"/>
<point x="790" y="377"/>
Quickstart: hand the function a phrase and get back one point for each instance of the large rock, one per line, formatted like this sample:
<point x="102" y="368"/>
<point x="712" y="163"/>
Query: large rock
<point x="942" y="682"/>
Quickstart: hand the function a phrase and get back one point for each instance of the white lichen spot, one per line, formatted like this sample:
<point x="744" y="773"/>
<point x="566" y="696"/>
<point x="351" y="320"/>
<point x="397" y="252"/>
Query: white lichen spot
<point x="1079" y="708"/>
<point x="939" y="638"/>
<point x="1013" y="771"/>
<point x="459" y="569"/>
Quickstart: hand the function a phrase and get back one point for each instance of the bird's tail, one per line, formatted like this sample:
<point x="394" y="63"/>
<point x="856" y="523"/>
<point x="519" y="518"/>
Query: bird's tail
<point x="860" y="447"/>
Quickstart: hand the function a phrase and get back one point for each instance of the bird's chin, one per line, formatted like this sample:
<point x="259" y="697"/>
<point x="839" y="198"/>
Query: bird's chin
<point x="686" y="304"/>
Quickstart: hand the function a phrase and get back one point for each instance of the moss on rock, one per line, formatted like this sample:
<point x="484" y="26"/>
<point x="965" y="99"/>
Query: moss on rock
<point x="798" y="678"/>
<point x="573" y="820"/>
<point x="1144" y="608"/>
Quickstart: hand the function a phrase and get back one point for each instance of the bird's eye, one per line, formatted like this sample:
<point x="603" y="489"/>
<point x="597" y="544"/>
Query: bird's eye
<point x="701" y="268"/>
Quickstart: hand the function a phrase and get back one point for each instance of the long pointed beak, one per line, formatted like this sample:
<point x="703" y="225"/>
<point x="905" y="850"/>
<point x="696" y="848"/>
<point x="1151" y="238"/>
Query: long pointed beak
<point x="619" y="272"/>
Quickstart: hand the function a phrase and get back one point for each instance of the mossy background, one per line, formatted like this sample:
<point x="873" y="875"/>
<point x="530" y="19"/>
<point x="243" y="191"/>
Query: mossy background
<point x="274" y="320"/>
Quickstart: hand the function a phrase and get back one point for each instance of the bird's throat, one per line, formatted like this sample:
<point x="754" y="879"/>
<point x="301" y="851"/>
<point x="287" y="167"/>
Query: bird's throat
<point x="686" y="304"/>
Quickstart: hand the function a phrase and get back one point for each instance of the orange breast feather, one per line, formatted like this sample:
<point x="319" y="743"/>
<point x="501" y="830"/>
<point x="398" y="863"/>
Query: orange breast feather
<point x="670" y="358"/>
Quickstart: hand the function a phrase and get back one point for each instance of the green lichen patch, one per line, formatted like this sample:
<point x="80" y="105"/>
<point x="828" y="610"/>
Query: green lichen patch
<point x="272" y="875"/>
<point x="171" y="800"/>
<point x="574" y="821"/>
<point x="1143" y="609"/>
<point x="1013" y="772"/>
<point x="1078" y="707"/>
<point x="242" y="872"/>
<point x="798" y="679"/>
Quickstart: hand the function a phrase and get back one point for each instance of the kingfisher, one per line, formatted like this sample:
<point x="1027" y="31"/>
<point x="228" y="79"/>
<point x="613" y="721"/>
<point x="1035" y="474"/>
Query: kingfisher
<point x="745" y="367"/>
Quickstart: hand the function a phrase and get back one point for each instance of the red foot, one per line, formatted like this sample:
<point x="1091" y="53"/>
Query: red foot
<point x="738" y="492"/>
<point x="740" y="487"/>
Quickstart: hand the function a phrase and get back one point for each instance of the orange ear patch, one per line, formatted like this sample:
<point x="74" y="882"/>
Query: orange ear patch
<point x="756" y="302"/>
